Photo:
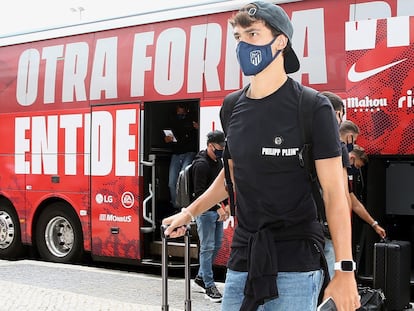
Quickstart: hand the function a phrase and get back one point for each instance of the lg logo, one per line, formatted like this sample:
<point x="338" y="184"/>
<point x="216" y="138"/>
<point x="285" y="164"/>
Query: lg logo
<point x="100" y="198"/>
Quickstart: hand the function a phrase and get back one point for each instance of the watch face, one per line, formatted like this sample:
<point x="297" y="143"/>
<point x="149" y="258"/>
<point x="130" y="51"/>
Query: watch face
<point x="347" y="265"/>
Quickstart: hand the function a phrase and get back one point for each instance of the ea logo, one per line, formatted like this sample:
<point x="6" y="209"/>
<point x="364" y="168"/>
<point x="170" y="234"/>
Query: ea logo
<point x="278" y="140"/>
<point x="127" y="199"/>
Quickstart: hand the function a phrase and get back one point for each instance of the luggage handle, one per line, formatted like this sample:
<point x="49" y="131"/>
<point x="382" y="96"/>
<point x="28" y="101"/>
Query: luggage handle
<point x="164" y="270"/>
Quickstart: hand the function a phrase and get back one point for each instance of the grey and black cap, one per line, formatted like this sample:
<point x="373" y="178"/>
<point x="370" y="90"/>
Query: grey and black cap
<point x="277" y="18"/>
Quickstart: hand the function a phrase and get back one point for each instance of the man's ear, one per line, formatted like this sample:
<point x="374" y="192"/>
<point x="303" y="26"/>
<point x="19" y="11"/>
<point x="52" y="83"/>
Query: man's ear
<point x="281" y="42"/>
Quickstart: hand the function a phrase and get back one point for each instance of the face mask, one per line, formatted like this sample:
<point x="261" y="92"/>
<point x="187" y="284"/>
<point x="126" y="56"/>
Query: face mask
<point x="181" y="116"/>
<point x="254" y="58"/>
<point x="218" y="153"/>
<point x="350" y="146"/>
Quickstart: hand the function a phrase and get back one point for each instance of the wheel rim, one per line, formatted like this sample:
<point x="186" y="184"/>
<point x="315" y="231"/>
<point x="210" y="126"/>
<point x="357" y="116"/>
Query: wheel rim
<point x="6" y="230"/>
<point x="59" y="236"/>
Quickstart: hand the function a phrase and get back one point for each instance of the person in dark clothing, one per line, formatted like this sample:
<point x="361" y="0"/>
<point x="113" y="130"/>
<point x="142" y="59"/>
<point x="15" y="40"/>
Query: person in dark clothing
<point x="358" y="158"/>
<point x="349" y="132"/>
<point x="277" y="257"/>
<point x="182" y="137"/>
<point x="339" y="109"/>
<point x="206" y="166"/>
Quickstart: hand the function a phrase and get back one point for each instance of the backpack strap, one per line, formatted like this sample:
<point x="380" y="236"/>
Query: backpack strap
<point x="225" y="114"/>
<point x="227" y="108"/>
<point x="306" y="101"/>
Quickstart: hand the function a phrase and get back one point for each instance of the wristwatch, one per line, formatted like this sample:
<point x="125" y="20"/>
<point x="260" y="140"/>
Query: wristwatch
<point x="345" y="265"/>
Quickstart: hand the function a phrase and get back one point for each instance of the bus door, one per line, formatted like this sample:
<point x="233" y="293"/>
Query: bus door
<point x="115" y="183"/>
<point x="156" y="156"/>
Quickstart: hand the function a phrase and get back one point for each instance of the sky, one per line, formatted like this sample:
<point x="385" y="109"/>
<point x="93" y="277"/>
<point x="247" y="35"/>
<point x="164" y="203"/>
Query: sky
<point x="18" y="16"/>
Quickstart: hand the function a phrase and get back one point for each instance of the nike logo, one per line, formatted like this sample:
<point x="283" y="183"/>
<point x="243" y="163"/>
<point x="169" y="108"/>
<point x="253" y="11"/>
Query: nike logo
<point x="355" y="76"/>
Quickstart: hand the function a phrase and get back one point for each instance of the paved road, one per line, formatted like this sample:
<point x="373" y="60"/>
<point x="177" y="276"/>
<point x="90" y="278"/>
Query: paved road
<point x="35" y="285"/>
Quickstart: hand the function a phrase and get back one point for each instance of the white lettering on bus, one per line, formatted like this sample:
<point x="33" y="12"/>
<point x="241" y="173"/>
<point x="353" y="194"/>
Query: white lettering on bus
<point x="169" y="64"/>
<point x="170" y="60"/>
<point x="310" y="29"/>
<point x="104" y="69"/>
<point x="140" y="62"/>
<point x="51" y="54"/>
<point x="361" y="30"/>
<point x="28" y="77"/>
<point x="379" y="10"/>
<point x="40" y="136"/>
<point x="365" y="104"/>
<point x="407" y="100"/>
<point x="74" y="72"/>
<point x="204" y="58"/>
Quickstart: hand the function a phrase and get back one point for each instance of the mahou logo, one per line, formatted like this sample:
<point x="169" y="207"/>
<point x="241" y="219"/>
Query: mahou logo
<point x="127" y="199"/>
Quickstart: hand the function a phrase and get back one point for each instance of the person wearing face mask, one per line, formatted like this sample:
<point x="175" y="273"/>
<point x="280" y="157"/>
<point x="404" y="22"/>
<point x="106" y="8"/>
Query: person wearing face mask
<point x="352" y="161"/>
<point x="206" y="166"/>
<point x="183" y="141"/>
<point x="349" y="132"/>
<point x="358" y="158"/>
<point x="276" y="261"/>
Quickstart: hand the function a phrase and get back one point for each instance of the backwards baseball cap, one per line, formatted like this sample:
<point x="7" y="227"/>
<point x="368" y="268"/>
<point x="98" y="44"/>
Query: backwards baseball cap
<point x="216" y="137"/>
<point x="277" y="18"/>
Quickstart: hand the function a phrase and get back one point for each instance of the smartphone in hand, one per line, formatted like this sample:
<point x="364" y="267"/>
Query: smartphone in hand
<point x="327" y="305"/>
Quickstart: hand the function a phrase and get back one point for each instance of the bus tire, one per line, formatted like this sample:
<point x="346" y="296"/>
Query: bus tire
<point x="59" y="234"/>
<point x="10" y="235"/>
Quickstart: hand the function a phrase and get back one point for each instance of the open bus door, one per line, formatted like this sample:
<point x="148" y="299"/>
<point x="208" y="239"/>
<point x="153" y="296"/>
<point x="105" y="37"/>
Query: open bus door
<point x="155" y="157"/>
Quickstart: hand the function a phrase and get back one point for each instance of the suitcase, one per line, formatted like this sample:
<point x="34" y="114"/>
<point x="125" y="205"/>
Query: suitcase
<point x="392" y="270"/>
<point x="164" y="269"/>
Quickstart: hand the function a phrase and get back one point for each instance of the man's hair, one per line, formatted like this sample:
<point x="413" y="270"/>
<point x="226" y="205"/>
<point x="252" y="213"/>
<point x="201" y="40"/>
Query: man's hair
<point x="348" y="127"/>
<point x="182" y="106"/>
<point x="244" y="19"/>
<point x="360" y="153"/>
<point x="336" y="101"/>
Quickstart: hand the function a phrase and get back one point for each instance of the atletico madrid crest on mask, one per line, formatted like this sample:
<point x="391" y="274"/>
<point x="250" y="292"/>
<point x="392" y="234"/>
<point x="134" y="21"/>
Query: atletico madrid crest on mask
<point x="255" y="57"/>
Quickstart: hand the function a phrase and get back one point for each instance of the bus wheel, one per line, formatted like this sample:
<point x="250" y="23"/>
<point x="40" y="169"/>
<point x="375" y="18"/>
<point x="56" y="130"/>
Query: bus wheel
<point x="59" y="234"/>
<point x="10" y="236"/>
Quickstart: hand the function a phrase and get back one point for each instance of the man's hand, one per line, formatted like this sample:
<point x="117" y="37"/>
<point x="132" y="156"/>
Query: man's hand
<point x="224" y="213"/>
<point x="380" y="231"/>
<point x="343" y="290"/>
<point x="177" y="224"/>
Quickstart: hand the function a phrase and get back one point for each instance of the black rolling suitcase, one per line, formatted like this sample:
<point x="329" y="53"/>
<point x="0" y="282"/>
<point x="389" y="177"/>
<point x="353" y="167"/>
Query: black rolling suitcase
<point x="164" y="272"/>
<point x="392" y="270"/>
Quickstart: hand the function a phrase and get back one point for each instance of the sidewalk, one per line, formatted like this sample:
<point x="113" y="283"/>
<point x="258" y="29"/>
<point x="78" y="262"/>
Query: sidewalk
<point x="41" y="286"/>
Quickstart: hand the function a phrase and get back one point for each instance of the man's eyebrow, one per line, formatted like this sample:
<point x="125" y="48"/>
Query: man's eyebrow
<point x="247" y="30"/>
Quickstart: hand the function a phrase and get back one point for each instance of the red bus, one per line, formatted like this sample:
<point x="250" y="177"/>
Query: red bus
<point x="83" y="166"/>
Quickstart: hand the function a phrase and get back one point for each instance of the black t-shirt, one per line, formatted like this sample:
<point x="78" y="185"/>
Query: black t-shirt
<point x="263" y="139"/>
<point x="205" y="171"/>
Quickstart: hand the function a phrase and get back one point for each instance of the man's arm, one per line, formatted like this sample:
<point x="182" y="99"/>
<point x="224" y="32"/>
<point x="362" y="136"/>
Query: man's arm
<point x="343" y="287"/>
<point x="362" y="212"/>
<point x="213" y="195"/>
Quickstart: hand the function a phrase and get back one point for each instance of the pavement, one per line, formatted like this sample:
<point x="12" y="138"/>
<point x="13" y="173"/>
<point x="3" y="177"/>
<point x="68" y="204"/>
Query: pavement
<point x="37" y="286"/>
<point x="41" y="286"/>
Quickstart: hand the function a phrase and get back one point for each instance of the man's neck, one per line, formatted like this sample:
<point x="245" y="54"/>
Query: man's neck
<point x="267" y="81"/>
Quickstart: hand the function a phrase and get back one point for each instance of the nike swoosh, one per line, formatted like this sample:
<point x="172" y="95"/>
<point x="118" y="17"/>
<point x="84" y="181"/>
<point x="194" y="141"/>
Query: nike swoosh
<point x="355" y="76"/>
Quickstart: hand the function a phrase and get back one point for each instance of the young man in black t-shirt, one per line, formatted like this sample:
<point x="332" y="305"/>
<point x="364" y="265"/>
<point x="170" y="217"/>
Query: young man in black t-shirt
<point x="206" y="166"/>
<point x="277" y="245"/>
